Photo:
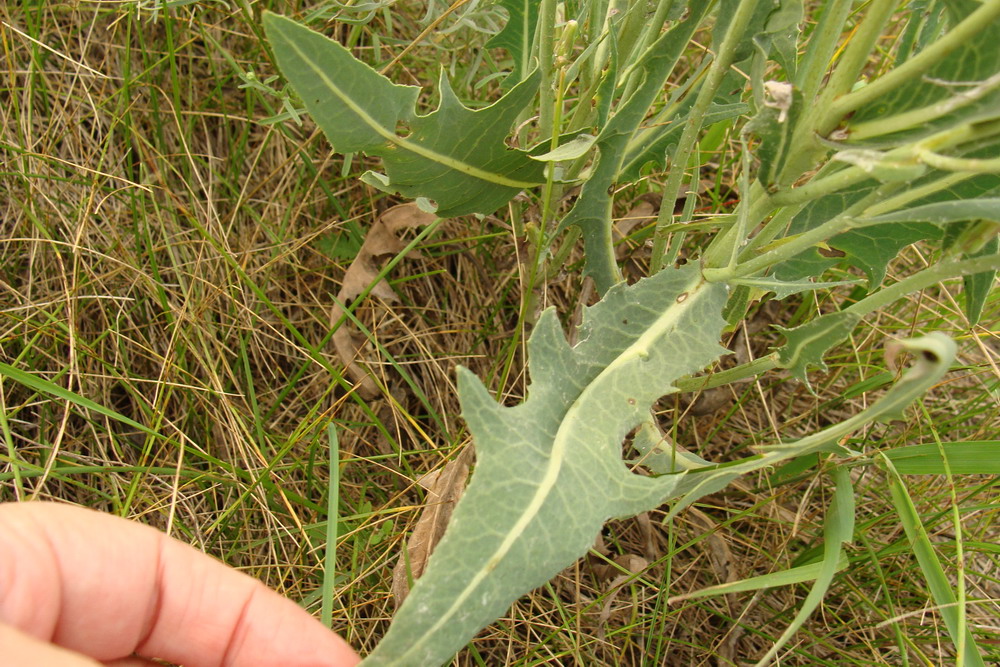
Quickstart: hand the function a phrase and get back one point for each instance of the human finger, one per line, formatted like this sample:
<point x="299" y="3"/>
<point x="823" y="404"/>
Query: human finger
<point x="20" y="648"/>
<point x="110" y="588"/>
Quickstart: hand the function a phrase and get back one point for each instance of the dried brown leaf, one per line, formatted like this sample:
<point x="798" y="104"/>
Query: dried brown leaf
<point x="381" y="241"/>
<point x="444" y="488"/>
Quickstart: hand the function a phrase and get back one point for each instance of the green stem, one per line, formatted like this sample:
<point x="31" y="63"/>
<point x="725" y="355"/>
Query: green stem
<point x="923" y="115"/>
<point x="741" y="372"/>
<point x="817" y="120"/>
<point x="822" y="46"/>
<point x="761" y="204"/>
<point x="855" y="58"/>
<point x="929" y="276"/>
<point x="687" y="215"/>
<point x="546" y="55"/>
<point x="735" y="36"/>
<point x="778" y="223"/>
<point x="912" y="194"/>
<point x="840" y="223"/>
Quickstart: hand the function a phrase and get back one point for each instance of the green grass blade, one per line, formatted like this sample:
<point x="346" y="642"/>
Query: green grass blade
<point x="930" y="566"/>
<point x="52" y="389"/>
<point x="333" y="501"/>
<point x="839" y="530"/>
<point x="795" y="575"/>
<point x="973" y="457"/>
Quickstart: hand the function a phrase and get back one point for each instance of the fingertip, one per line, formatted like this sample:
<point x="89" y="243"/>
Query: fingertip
<point x="274" y="630"/>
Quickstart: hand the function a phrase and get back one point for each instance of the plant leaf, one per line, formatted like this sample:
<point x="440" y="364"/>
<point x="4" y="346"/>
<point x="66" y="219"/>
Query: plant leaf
<point x="979" y="285"/>
<point x="838" y="530"/>
<point x="453" y="156"/>
<point x="550" y="471"/>
<point x="571" y="150"/>
<point x="807" y="344"/>
<point x="518" y="33"/>
<point x="974" y="457"/>
<point x="873" y="247"/>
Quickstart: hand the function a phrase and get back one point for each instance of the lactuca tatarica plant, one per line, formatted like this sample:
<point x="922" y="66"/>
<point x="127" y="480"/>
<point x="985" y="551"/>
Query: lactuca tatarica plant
<point x="842" y="163"/>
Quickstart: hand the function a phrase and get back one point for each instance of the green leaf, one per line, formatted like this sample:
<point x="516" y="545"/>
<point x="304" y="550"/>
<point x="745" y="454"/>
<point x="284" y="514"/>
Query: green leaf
<point x="972" y="457"/>
<point x="872" y="248"/>
<point x="979" y="285"/>
<point x="658" y="454"/>
<point x="454" y="156"/>
<point x="50" y="388"/>
<point x="571" y="150"/>
<point x="838" y="530"/>
<point x="549" y="471"/>
<point x="806" y="345"/>
<point x="774" y="126"/>
<point x="780" y="36"/>
<point x="518" y="33"/>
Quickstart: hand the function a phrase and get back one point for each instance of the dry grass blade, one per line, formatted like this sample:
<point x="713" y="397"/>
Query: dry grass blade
<point x="444" y="488"/>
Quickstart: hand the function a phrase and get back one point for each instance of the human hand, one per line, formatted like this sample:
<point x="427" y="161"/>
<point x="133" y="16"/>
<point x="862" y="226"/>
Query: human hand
<point x="78" y="587"/>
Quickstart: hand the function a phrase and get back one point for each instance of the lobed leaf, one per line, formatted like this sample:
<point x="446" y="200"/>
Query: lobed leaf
<point x="518" y="33"/>
<point x="806" y="345"/>
<point x="454" y="156"/>
<point x="549" y="471"/>
<point x="881" y="237"/>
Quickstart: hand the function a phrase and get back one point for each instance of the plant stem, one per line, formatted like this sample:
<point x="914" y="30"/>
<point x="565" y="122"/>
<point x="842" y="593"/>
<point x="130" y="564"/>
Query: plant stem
<point x="924" y="115"/>
<point x="929" y="276"/>
<point x="687" y="215"/>
<point x="839" y="223"/>
<point x="822" y="45"/>
<point x="900" y="200"/>
<point x="761" y="204"/>
<point x="546" y="54"/>
<point x="817" y="119"/>
<point x="743" y="371"/>
<point x="735" y="35"/>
